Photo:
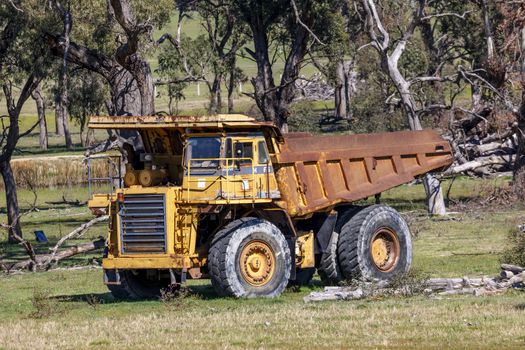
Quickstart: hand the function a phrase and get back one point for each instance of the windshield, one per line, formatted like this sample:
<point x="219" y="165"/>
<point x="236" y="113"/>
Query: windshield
<point x="204" y="152"/>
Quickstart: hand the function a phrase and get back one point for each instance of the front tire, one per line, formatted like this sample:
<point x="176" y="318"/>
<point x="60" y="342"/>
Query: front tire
<point x="375" y="245"/>
<point x="137" y="285"/>
<point x="249" y="258"/>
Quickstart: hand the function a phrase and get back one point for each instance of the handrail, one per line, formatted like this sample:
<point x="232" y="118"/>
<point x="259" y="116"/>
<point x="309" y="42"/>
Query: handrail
<point x="225" y="165"/>
<point x="114" y="161"/>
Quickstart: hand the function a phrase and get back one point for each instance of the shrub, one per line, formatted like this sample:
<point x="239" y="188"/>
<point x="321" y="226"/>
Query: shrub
<point x="44" y="305"/>
<point x="515" y="251"/>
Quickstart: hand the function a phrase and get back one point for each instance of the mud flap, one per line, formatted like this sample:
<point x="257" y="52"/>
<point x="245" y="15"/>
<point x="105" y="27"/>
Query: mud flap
<point x="291" y="244"/>
<point x="112" y="277"/>
<point x="322" y="238"/>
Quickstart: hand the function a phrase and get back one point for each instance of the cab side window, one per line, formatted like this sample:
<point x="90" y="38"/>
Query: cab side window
<point x="241" y="151"/>
<point x="263" y="152"/>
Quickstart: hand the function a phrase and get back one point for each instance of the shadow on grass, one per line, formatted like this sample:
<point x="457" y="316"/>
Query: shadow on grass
<point x="520" y="307"/>
<point x="101" y="298"/>
<point x="202" y="292"/>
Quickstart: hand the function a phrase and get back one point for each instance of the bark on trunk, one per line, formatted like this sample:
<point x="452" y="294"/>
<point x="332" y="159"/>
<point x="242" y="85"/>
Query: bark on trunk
<point x="488" y="29"/>
<point x="41" y="110"/>
<point x="67" y="132"/>
<point x="42" y="262"/>
<point x="129" y="57"/>
<point x="434" y="193"/>
<point x="215" y="96"/>
<point x="519" y="165"/>
<point x="90" y="138"/>
<point x="61" y="106"/>
<point x="59" y="119"/>
<point x="340" y="93"/>
<point x="231" y="85"/>
<point x="13" y="211"/>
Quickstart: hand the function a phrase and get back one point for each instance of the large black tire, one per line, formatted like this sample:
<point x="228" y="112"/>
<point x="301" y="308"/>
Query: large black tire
<point x="231" y="273"/>
<point x="134" y="285"/>
<point x="328" y="267"/>
<point x="384" y="229"/>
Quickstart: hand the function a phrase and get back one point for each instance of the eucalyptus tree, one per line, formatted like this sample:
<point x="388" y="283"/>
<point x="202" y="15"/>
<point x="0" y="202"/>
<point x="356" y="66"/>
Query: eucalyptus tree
<point x="336" y="60"/>
<point x="282" y="32"/>
<point x="208" y="58"/>
<point x="112" y="39"/>
<point x="20" y="74"/>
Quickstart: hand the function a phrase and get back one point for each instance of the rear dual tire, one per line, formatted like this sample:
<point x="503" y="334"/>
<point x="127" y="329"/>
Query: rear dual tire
<point x="373" y="244"/>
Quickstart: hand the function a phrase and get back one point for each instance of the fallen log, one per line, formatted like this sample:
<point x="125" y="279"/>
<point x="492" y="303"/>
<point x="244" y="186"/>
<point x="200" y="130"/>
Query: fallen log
<point x="43" y="262"/>
<point x="512" y="268"/>
<point x="77" y="232"/>
<point x="471" y="122"/>
<point x="479" y="163"/>
<point x="432" y="287"/>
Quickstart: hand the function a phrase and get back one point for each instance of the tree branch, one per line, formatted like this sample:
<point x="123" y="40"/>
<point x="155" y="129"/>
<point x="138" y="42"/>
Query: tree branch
<point x="301" y="23"/>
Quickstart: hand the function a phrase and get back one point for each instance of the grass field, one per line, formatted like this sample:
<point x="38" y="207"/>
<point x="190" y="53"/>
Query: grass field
<point x="69" y="309"/>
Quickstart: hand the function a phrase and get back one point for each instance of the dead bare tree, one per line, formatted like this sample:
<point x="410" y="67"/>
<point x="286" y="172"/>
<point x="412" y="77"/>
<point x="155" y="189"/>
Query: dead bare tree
<point x="390" y="52"/>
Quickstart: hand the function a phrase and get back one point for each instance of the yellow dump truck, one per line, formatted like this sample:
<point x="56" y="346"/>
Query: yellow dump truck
<point x="231" y="199"/>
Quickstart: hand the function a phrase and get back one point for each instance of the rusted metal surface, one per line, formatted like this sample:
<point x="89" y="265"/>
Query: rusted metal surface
<point x="313" y="173"/>
<point x="317" y="172"/>
<point x="220" y="121"/>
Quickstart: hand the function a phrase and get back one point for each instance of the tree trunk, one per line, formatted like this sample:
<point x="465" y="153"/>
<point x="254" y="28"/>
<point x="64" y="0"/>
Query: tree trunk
<point x="488" y="29"/>
<point x="170" y="104"/>
<point x="518" y="182"/>
<point x="340" y="91"/>
<point x="82" y="139"/>
<point x="61" y="106"/>
<point x="231" y="84"/>
<point x="90" y="138"/>
<point x="125" y="96"/>
<point x="67" y="132"/>
<point x="13" y="212"/>
<point x="41" y="110"/>
<point x="434" y="193"/>
<point x="59" y="119"/>
<point x="215" y="96"/>
<point x="350" y="86"/>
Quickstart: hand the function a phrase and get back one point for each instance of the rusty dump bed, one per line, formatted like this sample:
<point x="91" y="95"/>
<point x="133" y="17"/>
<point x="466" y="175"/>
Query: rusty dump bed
<point x="316" y="172"/>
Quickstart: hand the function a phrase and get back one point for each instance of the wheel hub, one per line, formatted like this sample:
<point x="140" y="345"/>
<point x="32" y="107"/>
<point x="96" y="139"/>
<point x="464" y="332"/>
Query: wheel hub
<point x="385" y="249"/>
<point x="257" y="262"/>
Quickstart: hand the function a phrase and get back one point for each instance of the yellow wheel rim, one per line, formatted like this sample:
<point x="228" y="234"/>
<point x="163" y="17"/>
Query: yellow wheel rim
<point x="385" y="249"/>
<point x="257" y="262"/>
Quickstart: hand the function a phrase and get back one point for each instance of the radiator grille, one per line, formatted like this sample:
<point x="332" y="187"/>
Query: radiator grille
<point x="143" y="224"/>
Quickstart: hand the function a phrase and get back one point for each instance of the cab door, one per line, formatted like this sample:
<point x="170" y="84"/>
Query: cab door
<point x="239" y="166"/>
